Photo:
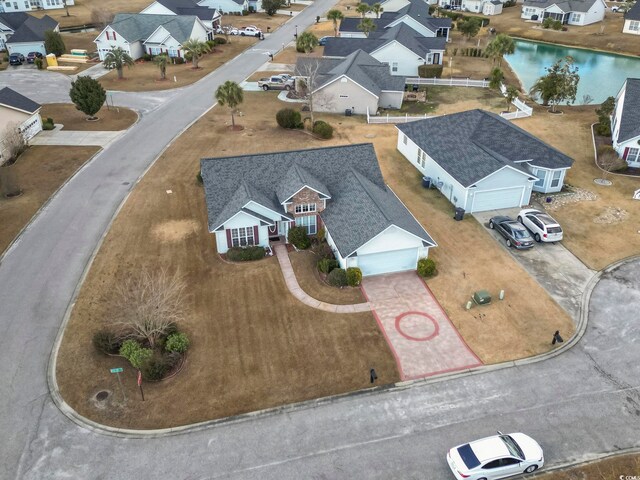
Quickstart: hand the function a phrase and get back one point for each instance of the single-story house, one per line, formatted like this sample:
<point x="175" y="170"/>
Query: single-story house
<point x="571" y="12"/>
<point x="480" y="161"/>
<point x="358" y="83"/>
<point x="18" y="109"/>
<point x="27" y="32"/>
<point x="401" y="47"/>
<point x="255" y="199"/>
<point x="228" y="6"/>
<point x="138" y="33"/>
<point x="625" y="122"/>
<point x="29" y="5"/>
<point x="632" y="20"/>
<point x="415" y="14"/>
<point x="494" y="7"/>
<point x="209" y="16"/>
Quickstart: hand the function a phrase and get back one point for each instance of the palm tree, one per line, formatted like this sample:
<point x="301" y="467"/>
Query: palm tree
<point x="232" y="95"/>
<point x="377" y="9"/>
<point x="495" y="78"/>
<point x="500" y="46"/>
<point x="545" y="87"/>
<point x="510" y="95"/>
<point x="161" y="61"/>
<point x="306" y="42"/>
<point x="363" y="9"/>
<point x="367" y="25"/>
<point x="335" y="16"/>
<point x="196" y="48"/>
<point x="117" y="58"/>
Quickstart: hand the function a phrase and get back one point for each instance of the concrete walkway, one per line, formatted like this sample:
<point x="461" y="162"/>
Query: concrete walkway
<point x="296" y="290"/>
<point x="418" y="331"/>
<point x="95" y="72"/>
<point x="75" y="137"/>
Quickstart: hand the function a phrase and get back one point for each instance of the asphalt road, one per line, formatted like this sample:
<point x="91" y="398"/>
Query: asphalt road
<point x="585" y="401"/>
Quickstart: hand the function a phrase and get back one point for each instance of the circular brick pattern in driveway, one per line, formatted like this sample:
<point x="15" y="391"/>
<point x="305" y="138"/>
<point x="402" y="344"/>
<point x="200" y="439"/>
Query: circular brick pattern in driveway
<point x="417" y="326"/>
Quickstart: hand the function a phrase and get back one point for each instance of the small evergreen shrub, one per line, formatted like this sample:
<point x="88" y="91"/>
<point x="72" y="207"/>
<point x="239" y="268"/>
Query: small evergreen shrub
<point x="299" y="238"/>
<point x="135" y="353"/>
<point x="354" y="276"/>
<point x="156" y="367"/>
<point x="322" y="250"/>
<point x="39" y="63"/>
<point x="289" y="118"/>
<point x="337" y="278"/>
<point x="211" y="43"/>
<point x="322" y="129"/>
<point x="245" y="254"/>
<point x="219" y="41"/>
<point x="147" y="57"/>
<point x="48" y="124"/>
<point x="426" y="267"/>
<point x="107" y="342"/>
<point x="177" y="343"/>
<point x="430" y="71"/>
<point x="321" y="234"/>
<point x="199" y="178"/>
<point x="326" y="265"/>
<point x="179" y="61"/>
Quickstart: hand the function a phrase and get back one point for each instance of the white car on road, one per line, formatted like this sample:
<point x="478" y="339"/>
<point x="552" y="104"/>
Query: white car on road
<point x="500" y="456"/>
<point x="541" y="225"/>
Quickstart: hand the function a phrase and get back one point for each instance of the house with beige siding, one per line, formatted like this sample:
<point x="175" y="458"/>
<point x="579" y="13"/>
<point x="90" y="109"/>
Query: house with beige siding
<point x="18" y="110"/>
<point x="632" y="20"/>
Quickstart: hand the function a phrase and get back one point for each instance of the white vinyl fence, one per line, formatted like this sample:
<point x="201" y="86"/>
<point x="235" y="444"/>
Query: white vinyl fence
<point x="395" y="118"/>
<point x="448" y="82"/>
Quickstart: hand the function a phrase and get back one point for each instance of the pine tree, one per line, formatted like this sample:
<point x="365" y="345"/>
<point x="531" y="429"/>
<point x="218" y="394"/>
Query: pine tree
<point x="88" y="96"/>
<point x="53" y="43"/>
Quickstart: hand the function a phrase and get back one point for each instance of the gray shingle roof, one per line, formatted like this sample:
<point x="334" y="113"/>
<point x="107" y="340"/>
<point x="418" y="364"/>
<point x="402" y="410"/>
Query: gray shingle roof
<point x="359" y="66"/>
<point x="13" y="99"/>
<point x="188" y="7"/>
<point x="474" y="144"/>
<point x="417" y="9"/>
<point x="565" y="5"/>
<point x="361" y="205"/>
<point x="630" y="117"/>
<point x="13" y="20"/>
<point x="138" y="26"/>
<point x="633" y="13"/>
<point x="32" y="30"/>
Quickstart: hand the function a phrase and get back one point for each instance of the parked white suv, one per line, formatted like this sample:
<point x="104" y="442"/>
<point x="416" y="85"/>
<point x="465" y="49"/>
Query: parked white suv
<point x="542" y="225"/>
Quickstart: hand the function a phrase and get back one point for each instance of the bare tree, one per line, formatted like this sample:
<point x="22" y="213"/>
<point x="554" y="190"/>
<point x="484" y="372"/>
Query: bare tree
<point x="101" y="17"/>
<point x="13" y="142"/>
<point x="609" y="161"/>
<point x="308" y="68"/>
<point x="147" y="305"/>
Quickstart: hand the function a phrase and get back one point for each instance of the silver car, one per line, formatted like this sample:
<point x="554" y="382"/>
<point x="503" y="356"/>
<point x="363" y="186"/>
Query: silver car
<point x="542" y="225"/>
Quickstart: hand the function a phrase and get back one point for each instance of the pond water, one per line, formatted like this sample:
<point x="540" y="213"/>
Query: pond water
<point x="601" y="74"/>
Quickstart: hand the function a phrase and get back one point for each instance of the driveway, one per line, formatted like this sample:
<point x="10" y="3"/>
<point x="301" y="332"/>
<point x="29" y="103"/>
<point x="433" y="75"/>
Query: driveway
<point x="554" y="267"/>
<point x="419" y="333"/>
<point x="75" y="137"/>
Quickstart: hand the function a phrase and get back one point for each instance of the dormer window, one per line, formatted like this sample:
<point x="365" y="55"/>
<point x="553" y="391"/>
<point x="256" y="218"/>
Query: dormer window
<point x="305" y="208"/>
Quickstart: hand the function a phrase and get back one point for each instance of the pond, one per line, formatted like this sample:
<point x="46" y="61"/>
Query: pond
<point x="601" y="74"/>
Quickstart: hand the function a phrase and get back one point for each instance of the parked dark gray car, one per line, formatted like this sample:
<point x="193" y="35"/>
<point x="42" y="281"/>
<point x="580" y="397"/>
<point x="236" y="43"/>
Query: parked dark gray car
<point x="514" y="232"/>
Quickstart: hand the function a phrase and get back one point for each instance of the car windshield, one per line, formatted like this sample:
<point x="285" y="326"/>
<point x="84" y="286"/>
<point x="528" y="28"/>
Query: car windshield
<point x="512" y="446"/>
<point x="468" y="457"/>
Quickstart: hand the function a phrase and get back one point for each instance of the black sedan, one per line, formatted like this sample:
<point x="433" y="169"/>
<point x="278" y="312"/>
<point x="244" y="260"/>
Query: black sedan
<point x="514" y="232"/>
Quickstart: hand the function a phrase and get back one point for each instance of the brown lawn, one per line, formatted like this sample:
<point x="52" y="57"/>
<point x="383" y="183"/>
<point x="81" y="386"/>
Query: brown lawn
<point x="80" y="13"/>
<point x="596" y="244"/>
<point x="260" y="20"/>
<point x="110" y="119"/>
<point x="625" y="466"/>
<point x="39" y="172"/>
<point x="442" y="100"/>
<point x="304" y="265"/>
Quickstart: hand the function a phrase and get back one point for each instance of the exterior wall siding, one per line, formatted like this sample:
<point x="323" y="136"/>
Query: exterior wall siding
<point x="418" y="27"/>
<point x="225" y="6"/>
<point x="391" y="99"/>
<point x="341" y="95"/>
<point x="627" y="28"/>
<point x="392" y="238"/>
<point x="25" y="48"/>
<point x="407" y="61"/>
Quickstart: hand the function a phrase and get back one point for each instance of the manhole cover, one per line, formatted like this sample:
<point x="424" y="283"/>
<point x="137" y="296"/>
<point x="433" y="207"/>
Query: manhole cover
<point x="602" y="181"/>
<point x="102" y="396"/>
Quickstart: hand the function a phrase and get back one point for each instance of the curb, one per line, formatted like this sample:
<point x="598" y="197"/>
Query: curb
<point x="593" y="459"/>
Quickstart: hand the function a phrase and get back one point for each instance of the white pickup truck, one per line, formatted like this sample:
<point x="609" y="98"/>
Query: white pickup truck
<point x="250" y="31"/>
<point x="276" y="82"/>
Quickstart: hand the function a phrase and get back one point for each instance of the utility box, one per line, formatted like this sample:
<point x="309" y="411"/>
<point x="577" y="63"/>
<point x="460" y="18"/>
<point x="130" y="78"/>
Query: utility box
<point x="348" y="112"/>
<point x="426" y="182"/>
<point x="459" y="214"/>
<point x="482" y="297"/>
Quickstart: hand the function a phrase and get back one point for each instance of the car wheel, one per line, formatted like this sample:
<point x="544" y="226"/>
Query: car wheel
<point x="520" y="219"/>
<point x="265" y="87"/>
<point x="287" y="88"/>
<point x="491" y="225"/>
<point x="531" y="468"/>
<point x="537" y="237"/>
<point x="508" y="243"/>
<point x="242" y="34"/>
<point x="482" y="478"/>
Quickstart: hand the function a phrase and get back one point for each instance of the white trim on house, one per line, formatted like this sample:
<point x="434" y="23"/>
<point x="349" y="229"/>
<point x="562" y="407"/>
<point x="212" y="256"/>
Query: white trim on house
<point x="239" y="212"/>
<point x="381" y="233"/>
<point x="348" y="78"/>
<point x="321" y="194"/>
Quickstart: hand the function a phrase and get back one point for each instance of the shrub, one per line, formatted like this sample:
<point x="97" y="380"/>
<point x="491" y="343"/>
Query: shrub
<point x="557" y="25"/>
<point x="426" y="267"/>
<point x="211" y="43"/>
<point x="245" y="254"/>
<point x="455" y="51"/>
<point x="156" y="367"/>
<point x="199" y="178"/>
<point x="326" y="265"/>
<point x="430" y="71"/>
<point x="219" y="41"/>
<point x="354" y="276"/>
<point x="147" y="57"/>
<point x="337" y="278"/>
<point x="322" y="129"/>
<point x="323" y="250"/>
<point x="289" y="118"/>
<point x="179" y="61"/>
<point x="135" y="353"/>
<point x="299" y="238"/>
<point x="107" y="342"/>
<point x="177" y="343"/>
<point x="48" y="124"/>
<point x="321" y="235"/>
<point x="39" y="63"/>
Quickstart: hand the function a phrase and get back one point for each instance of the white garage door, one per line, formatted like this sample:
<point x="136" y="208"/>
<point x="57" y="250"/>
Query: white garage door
<point x="387" y="262"/>
<point x="496" y="199"/>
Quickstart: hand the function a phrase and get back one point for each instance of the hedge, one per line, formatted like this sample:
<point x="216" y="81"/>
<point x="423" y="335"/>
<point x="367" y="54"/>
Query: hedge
<point x="245" y="254"/>
<point x="337" y="278"/>
<point x="354" y="276"/>
<point x="426" y="267"/>
<point x="430" y="71"/>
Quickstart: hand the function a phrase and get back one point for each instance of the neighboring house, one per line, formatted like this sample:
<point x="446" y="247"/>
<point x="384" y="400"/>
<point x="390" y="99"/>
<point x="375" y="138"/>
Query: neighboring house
<point x="27" y="32"/>
<point x="226" y="6"/>
<point x="389" y="5"/>
<point x="401" y="47"/>
<point x="29" y="5"/>
<point x="18" y="109"/>
<point x="358" y="83"/>
<point x="209" y="16"/>
<point x="255" y="199"/>
<point x="494" y="7"/>
<point x="139" y="33"/>
<point x="625" y="122"/>
<point x="632" y="20"/>
<point x="415" y="15"/>
<point x="571" y="12"/>
<point x="480" y="161"/>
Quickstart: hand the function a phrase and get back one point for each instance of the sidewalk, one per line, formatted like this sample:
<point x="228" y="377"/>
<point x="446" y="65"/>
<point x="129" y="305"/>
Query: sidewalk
<point x="74" y="138"/>
<point x="94" y="72"/>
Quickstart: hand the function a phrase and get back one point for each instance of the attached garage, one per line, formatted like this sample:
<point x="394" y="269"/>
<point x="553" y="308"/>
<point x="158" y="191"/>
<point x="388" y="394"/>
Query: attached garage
<point x="496" y="199"/>
<point x="388" y="262"/>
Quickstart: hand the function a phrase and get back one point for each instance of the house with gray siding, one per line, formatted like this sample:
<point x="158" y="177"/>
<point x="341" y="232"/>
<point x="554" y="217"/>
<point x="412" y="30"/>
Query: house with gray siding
<point x="569" y="12"/>
<point x="255" y="199"/>
<point x="209" y="16"/>
<point x="480" y="161"/>
<point x="22" y="33"/>
<point x="7" y="6"/>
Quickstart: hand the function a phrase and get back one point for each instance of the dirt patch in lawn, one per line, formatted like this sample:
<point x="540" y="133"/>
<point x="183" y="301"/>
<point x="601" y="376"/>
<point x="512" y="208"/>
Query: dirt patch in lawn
<point x="625" y="466"/>
<point x="596" y="244"/>
<point x="109" y="119"/>
<point x="442" y="100"/>
<point x="304" y="266"/>
<point x="254" y="345"/>
<point x="39" y="172"/>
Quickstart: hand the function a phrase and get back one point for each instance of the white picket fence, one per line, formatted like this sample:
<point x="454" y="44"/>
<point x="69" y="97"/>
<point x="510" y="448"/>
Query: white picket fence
<point x="395" y="118"/>
<point x="448" y="82"/>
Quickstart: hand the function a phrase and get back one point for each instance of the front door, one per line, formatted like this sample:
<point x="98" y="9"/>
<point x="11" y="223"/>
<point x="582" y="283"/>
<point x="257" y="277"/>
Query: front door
<point x="436" y="58"/>
<point x="283" y="228"/>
